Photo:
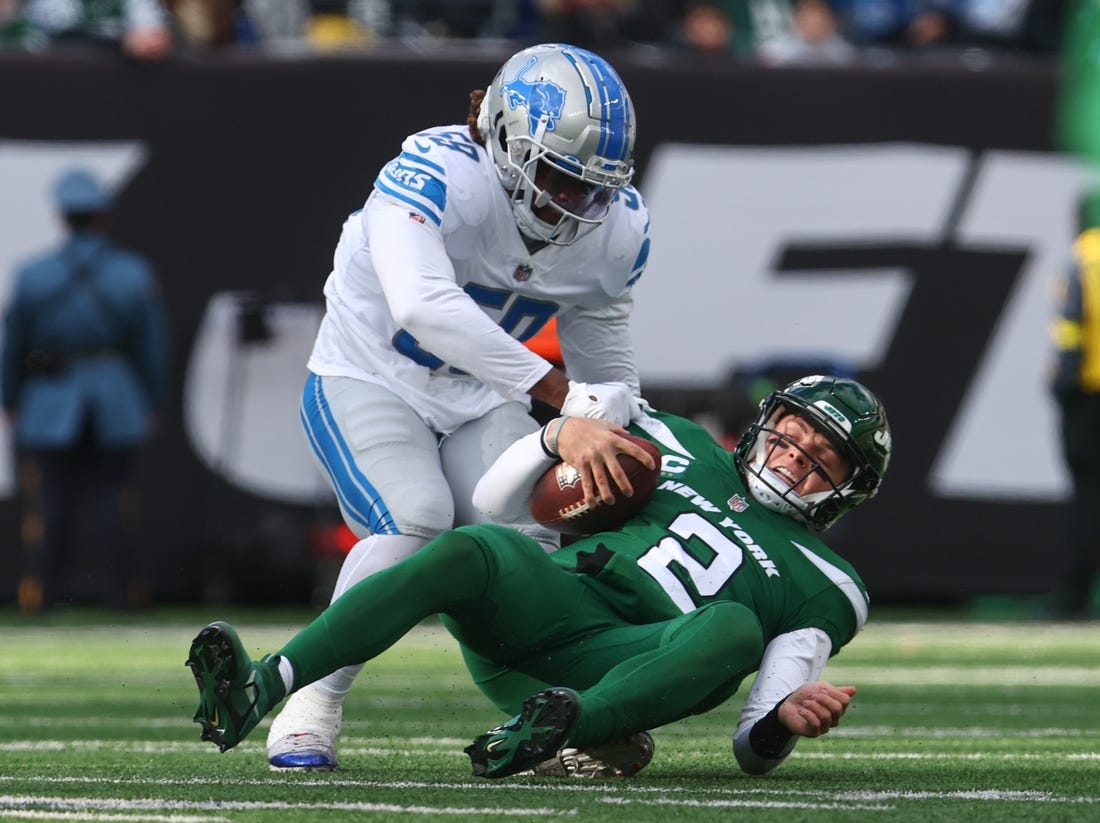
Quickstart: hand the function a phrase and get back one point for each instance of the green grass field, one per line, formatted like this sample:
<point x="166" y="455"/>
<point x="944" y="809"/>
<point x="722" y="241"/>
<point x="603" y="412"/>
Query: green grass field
<point x="953" y="721"/>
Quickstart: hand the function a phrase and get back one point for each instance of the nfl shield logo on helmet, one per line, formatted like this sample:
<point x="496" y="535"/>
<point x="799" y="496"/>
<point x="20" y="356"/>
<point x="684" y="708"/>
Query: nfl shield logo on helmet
<point x="737" y="503"/>
<point x="522" y="273"/>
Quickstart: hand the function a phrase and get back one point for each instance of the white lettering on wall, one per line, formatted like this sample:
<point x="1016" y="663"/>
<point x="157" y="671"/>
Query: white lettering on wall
<point x="722" y="215"/>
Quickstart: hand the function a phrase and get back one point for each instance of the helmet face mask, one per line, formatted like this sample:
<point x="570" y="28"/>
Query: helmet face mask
<point x="855" y="424"/>
<point x="586" y="204"/>
<point x="566" y="109"/>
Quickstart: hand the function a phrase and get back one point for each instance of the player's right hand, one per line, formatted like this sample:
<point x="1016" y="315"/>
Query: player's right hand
<point x="603" y="401"/>
<point x="813" y="709"/>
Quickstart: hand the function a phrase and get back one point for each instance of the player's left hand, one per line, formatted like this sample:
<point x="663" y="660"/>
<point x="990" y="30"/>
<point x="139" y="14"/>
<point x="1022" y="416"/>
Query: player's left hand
<point x="813" y="709"/>
<point x="603" y="401"/>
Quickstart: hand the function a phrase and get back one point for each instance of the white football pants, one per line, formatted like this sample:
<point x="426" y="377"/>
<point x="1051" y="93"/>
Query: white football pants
<point x="398" y="483"/>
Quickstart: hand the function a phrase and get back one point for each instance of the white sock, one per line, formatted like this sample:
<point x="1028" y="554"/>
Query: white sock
<point x="286" y="671"/>
<point x="369" y="555"/>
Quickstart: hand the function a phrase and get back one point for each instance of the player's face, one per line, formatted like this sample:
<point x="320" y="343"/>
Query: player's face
<point x="794" y="450"/>
<point x="566" y="192"/>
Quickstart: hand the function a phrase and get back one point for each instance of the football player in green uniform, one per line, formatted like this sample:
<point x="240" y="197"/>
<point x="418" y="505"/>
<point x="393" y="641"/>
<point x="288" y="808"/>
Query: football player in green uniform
<point x="721" y="575"/>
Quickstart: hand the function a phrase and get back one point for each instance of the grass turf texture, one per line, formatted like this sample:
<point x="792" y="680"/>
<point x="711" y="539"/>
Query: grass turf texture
<point x="953" y="721"/>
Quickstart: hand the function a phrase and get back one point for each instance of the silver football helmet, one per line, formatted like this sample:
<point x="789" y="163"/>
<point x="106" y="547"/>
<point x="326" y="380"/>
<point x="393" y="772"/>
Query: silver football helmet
<point x="565" y="107"/>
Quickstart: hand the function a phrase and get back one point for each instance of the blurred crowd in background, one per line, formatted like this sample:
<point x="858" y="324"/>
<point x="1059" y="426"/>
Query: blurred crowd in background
<point x="772" y="32"/>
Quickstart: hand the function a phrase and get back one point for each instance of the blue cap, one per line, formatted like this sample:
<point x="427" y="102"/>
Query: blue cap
<point x="77" y="190"/>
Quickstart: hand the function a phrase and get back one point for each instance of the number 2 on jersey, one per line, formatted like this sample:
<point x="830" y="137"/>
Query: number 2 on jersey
<point x="708" y="579"/>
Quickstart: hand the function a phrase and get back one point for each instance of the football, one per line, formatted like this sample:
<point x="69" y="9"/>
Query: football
<point x="558" y="499"/>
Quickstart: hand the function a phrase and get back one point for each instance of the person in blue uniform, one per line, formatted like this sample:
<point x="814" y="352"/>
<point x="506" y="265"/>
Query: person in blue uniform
<point x="84" y="372"/>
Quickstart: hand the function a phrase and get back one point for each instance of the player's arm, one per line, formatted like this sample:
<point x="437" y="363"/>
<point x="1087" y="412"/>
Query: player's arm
<point x="788" y="701"/>
<point x="599" y="359"/>
<point x="603" y="400"/>
<point x="552" y="388"/>
<point x="418" y="280"/>
<point x="596" y="344"/>
<point x="504" y="491"/>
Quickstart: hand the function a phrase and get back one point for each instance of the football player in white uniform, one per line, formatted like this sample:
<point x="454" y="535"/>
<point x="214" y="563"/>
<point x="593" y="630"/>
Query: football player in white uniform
<point x="473" y="237"/>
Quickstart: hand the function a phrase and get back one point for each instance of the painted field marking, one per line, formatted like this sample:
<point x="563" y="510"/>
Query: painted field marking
<point x="584" y="787"/>
<point x="31" y="803"/>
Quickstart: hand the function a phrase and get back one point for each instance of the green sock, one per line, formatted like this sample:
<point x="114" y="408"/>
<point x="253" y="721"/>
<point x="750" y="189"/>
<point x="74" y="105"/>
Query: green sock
<point x="378" y="611"/>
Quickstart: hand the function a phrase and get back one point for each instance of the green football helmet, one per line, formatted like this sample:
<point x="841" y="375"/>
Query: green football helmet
<point x="854" y="421"/>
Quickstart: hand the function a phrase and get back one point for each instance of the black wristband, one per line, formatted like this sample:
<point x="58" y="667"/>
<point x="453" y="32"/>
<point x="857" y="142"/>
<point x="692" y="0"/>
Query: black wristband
<point x="769" y="738"/>
<point x="542" y="442"/>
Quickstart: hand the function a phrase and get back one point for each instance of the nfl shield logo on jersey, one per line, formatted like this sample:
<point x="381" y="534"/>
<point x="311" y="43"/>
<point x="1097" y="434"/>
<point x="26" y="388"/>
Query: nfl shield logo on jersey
<point x="737" y="503"/>
<point x="522" y="273"/>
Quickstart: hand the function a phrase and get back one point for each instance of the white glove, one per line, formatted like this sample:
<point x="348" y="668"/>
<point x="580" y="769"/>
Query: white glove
<point x="606" y="401"/>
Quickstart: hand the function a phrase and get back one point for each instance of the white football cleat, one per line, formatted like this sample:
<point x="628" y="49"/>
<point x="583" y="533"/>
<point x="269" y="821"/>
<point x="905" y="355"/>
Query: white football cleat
<point x="623" y="758"/>
<point x="303" y="736"/>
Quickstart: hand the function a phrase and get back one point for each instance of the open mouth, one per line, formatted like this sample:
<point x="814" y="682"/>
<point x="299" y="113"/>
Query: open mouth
<point x="786" y="475"/>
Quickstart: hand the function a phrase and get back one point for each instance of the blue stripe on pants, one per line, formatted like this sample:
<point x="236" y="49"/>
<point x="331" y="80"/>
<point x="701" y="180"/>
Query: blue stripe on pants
<point x="358" y="498"/>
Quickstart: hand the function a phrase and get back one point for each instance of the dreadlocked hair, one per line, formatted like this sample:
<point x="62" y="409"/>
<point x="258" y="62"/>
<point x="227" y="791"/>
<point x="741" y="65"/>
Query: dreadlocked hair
<point x="476" y="96"/>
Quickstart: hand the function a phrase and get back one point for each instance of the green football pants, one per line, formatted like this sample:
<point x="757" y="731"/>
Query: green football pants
<point x="525" y="624"/>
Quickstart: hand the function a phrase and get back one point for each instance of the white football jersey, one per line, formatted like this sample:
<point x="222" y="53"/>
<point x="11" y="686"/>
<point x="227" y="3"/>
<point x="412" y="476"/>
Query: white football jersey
<point x="433" y="289"/>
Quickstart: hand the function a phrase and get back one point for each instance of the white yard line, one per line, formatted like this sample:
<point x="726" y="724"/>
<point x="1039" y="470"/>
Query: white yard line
<point x="18" y="804"/>
<point x="626" y="789"/>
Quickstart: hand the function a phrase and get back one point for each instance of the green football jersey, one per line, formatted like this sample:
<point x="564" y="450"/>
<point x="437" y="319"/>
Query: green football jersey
<point x="703" y="538"/>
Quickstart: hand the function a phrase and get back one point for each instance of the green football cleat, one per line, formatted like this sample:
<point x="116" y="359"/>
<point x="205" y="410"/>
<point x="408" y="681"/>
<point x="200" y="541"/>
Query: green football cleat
<point x="535" y="734"/>
<point x="234" y="691"/>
